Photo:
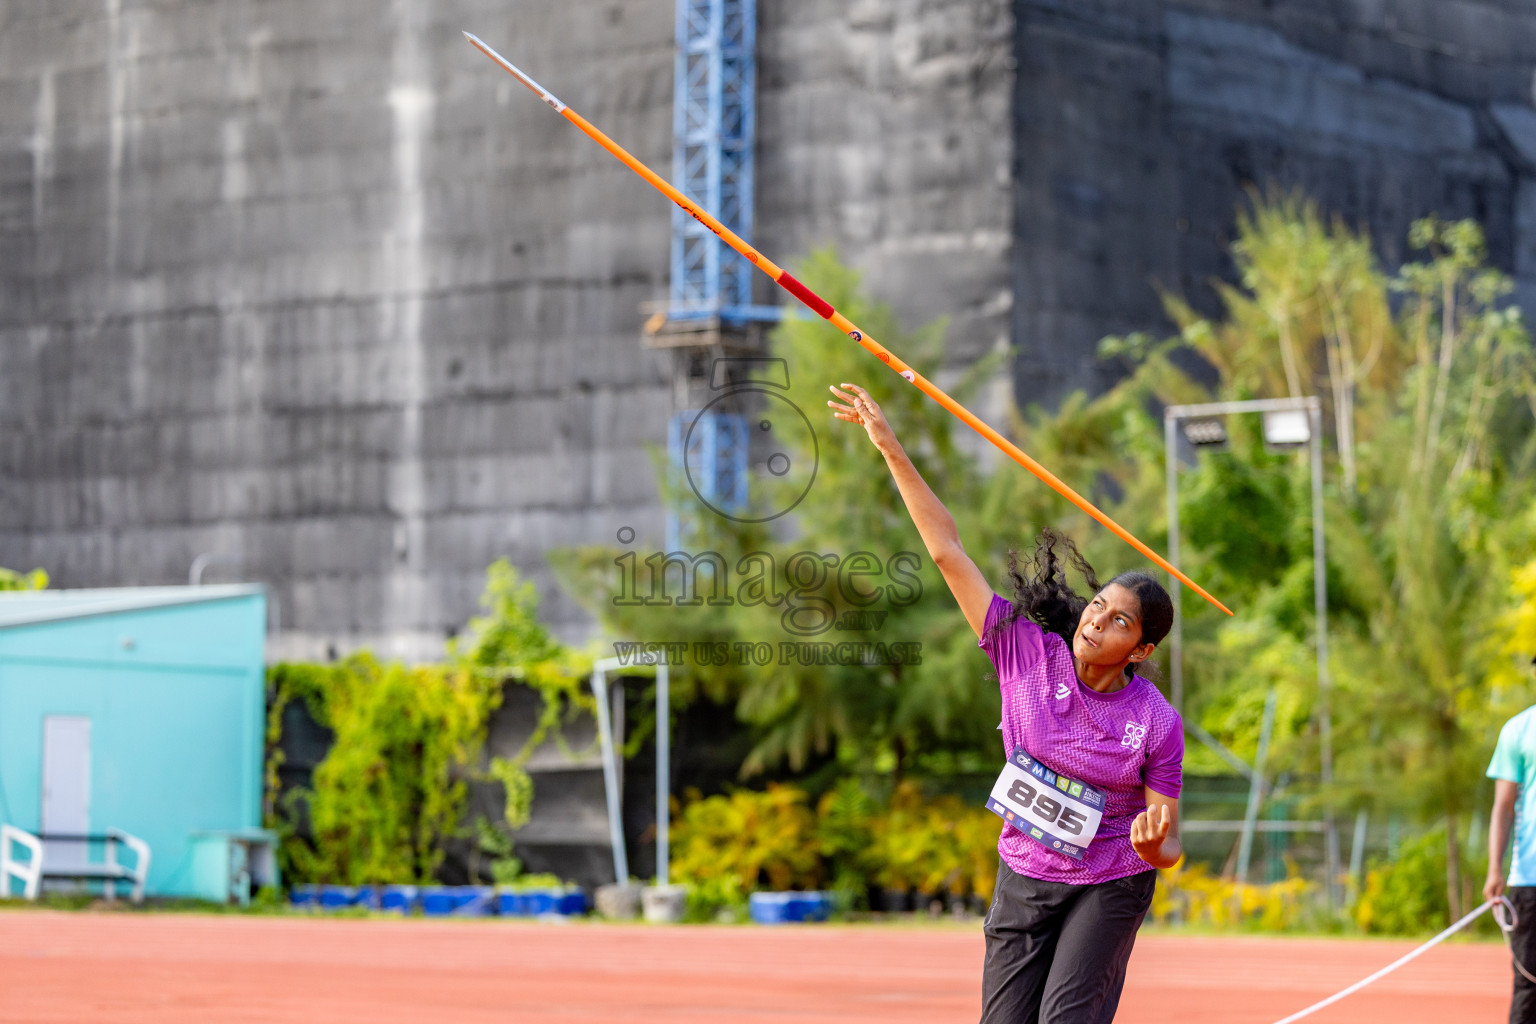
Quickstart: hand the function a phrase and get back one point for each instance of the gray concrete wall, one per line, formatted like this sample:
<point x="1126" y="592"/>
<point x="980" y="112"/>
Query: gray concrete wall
<point x="316" y="286"/>
<point x="884" y="129"/>
<point x="1141" y="123"/>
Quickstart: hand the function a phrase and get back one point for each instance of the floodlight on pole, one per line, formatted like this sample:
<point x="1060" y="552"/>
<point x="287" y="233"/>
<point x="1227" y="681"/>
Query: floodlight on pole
<point x="1206" y="434"/>
<point x="1287" y="428"/>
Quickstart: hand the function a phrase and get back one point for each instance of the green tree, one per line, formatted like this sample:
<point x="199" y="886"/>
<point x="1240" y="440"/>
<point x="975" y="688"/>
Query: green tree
<point x="875" y="716"/>
<point x="1427" y="546"/>
<point x="1431" y="414"/>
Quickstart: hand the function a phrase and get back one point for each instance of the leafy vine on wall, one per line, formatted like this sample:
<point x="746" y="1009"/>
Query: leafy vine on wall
<point x="393" y="788"/>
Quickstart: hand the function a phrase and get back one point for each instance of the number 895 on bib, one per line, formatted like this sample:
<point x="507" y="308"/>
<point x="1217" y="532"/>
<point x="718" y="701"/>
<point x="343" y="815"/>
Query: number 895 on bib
<point x="1056" y="812"/>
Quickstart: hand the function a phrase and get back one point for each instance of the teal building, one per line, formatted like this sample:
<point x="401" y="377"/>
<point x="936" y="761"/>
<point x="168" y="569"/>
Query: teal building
<point x="137" y="709"/>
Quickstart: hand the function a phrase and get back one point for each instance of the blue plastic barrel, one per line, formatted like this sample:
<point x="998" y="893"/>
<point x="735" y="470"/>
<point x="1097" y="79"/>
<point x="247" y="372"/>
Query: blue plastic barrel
<point x="789" y="907"/>
<point x="437" y="900"/>
<point x="473" y="900"/>
<point x="335" y="897"/>
<point x="807" y="906"/>
<point x="397" y="899"/>
<point x="305" y="895"/>
<point x="542" y="901"/>
<point x="572" y="903"/>
<point x="769" y="907"/>
<point x="568" y="901"/>
<point x="509" y="903"/>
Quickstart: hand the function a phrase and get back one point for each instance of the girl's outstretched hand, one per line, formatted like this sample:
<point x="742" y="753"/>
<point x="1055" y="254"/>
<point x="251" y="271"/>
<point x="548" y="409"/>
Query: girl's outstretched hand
<point x="858" y="407"/>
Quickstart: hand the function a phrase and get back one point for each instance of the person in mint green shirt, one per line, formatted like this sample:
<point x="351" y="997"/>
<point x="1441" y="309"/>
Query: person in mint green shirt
<point x="1513" y="771"/>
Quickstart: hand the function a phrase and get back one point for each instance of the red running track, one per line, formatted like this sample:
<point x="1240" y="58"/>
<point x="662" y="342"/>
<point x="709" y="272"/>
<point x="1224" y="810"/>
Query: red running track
<point x="127" y="968"/>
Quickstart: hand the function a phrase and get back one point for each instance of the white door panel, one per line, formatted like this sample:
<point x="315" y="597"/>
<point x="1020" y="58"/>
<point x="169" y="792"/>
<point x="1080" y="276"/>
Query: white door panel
<point x="66" y="785"/>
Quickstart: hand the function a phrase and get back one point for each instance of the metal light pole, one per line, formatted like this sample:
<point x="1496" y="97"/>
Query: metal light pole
<point x="1324" y="682"/>
<point x="1255" y="789"/>
<point x="611" y="765"/>
<point x="663" y="774"/>
<point x="1176" y="640"/>
<point x="1312" y="406"/>
<point x="611" y="790"/>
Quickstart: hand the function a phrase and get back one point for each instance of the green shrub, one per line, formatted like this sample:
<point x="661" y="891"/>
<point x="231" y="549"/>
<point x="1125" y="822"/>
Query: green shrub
<point x="10" y="579"/>
<point x="1189" y="894"/>
<point x="765" y="837"/>
<point x="392" y="790"/>
<point x="1407" y="896"/>
<point x="845" y="820"/>
<point x="726" y="846"/>
<point x="528" y="883"/>
<point x="720" y="898"/>
<point x="935" y="844"/>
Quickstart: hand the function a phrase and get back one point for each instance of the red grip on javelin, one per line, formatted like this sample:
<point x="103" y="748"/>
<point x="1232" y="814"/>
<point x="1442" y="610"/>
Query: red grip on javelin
<point x="805" y="295"/>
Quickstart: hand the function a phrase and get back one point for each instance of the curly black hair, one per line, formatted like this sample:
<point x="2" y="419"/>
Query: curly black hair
<point x="1041" y="591"/>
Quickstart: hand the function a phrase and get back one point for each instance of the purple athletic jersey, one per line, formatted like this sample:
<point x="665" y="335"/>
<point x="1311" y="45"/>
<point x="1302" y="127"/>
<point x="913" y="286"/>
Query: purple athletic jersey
<point x="1118" y="742"/>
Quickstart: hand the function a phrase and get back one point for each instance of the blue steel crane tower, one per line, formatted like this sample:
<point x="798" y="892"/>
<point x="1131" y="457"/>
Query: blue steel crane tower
<point x="713" y="121"/>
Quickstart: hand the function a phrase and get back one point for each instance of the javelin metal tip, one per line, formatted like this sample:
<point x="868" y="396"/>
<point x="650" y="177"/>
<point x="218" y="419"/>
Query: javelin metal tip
<point x="543" y="93"/>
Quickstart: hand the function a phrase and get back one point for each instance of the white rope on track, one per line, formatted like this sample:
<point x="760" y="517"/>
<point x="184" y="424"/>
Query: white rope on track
<point x="1503" y="913"/>
<point x="1502" y="908"/>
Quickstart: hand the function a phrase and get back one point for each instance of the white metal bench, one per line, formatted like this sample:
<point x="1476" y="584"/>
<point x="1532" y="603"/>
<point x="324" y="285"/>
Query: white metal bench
<point x="37" y="870"/>
<point x="27" y="872"/>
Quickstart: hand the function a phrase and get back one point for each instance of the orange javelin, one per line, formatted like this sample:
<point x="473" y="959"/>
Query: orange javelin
<point x="824" y="309"/>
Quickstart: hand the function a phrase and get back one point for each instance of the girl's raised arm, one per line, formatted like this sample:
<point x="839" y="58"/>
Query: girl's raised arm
<point x="934" y="523"/>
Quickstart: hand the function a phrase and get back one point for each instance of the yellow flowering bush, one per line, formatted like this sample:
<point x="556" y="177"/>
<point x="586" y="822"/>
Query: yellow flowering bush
<point x="765" y="837"/>
<point x="773" y="838"/>
<point x="1190" y="894"/>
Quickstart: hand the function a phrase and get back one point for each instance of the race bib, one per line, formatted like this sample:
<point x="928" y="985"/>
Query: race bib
<point x="1059" y="813"/>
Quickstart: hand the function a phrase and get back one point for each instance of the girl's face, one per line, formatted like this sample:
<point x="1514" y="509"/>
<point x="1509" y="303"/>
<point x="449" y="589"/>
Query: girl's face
<point x="1109" y="630"/>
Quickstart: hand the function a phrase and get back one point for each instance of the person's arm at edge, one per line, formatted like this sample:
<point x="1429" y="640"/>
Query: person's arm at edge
<point x="1501" y="821"/>
<point x="934" y="522"/>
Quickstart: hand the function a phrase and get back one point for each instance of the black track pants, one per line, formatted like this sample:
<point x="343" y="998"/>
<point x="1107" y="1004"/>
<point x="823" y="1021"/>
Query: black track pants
<point x="1522" y="1004"/>
<point x="1056" y="953"/>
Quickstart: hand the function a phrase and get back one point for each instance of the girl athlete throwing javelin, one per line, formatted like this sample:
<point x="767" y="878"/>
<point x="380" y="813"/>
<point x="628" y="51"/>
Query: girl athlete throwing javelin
<point x="1060" y="927"/>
